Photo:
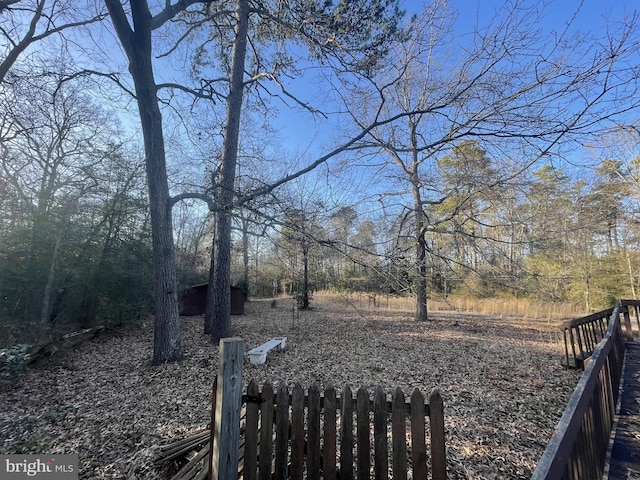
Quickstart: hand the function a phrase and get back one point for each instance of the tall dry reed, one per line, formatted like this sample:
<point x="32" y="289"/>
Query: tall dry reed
<point x="517" y="307"/>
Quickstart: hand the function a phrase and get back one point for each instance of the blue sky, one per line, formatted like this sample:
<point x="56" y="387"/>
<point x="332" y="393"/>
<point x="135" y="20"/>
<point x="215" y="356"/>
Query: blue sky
<point x="300" y="132"/>
<point x="591" y="13"/>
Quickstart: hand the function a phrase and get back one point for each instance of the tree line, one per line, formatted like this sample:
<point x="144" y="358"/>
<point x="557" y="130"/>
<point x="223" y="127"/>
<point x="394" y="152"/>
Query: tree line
<point x="139" y="154"/>
<point x="548" y="236"/>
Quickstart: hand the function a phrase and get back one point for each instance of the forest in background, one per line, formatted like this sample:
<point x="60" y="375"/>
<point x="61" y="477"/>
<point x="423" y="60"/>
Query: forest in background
<point x="501" y="173"/>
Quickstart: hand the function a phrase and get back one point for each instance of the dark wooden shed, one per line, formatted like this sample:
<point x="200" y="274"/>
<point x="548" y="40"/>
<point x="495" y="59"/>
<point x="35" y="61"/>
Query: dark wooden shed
<point x="193" y="300"/>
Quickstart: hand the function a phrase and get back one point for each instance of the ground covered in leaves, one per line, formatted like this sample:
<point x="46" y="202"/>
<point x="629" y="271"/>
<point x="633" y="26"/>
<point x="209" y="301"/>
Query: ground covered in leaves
<point x="503" y="386"/>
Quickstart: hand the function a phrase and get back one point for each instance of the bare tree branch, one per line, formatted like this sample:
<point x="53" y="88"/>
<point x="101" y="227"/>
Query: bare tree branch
<point x="194" y="195"/>
<point x="18" y="46"/>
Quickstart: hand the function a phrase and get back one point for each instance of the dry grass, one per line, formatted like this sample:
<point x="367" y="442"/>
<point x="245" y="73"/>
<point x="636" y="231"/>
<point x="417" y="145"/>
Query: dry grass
<point x="511" y="307"/>
<point x="501" y="380"/>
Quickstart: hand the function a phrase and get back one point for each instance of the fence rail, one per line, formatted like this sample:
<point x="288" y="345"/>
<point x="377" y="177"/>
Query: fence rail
<point x="578" y="447"/>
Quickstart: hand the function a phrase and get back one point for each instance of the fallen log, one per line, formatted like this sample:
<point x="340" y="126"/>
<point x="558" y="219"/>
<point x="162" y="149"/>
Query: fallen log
<point x="67" y="341"/>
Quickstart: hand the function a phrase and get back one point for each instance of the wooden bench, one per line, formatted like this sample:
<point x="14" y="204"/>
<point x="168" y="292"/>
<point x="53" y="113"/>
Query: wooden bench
<point x="258" y="355"/>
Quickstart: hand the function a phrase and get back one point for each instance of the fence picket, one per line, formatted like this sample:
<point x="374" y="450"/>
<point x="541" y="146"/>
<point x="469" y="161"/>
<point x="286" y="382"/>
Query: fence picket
<point x="282" y="431"/>
<point x="251" y="434"/>
<point x="297" y="433"/>
<point x="438" y="452"/>
<point x="346" y="435"/>
<point x="418" y="444"/>
<point x="398" y="436"/>
<point x="381" y="461"/>
<point x="313" y="434"/>
<point x="363" y="455"/>
<point x="266" y="433"/>
<point x="329" y="456"/>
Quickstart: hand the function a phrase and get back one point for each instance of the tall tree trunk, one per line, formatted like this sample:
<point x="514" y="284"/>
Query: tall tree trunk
<point x="45" y="319"/>
<point x="304" y="305"/>
<point x="226" y="179"/>
<point x="631" y="280"/>
<point x="167" y="345"/>
<point x="421" y="269"/>
<point x="167" y="342"/>
<point x="209" y="324"/>
<point x="587" y="294"/>
<point x="245" y="254"/>
<point x="421" y="243"/>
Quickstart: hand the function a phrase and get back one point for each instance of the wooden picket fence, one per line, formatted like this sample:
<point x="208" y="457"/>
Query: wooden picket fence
<point x="324" y="446"/>
<point x="297" y="435"/>
<point x="278" y="434"/>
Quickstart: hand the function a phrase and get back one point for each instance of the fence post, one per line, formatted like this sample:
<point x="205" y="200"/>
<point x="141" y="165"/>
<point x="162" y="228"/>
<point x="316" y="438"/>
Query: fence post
<point x="627" y="323"/>
<point x="226" y="432"/>
<point x="214" y="393"/>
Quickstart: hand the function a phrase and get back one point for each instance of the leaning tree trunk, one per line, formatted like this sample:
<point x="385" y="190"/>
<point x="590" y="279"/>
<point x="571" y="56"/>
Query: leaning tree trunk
<point x="226" y="179"/>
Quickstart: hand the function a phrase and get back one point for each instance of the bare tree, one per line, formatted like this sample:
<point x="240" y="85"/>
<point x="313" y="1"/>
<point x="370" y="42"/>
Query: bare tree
<point x="53" y="139"/>
<point x="136" y="40"/>
<point x="353" y="35"/>
<point x="514" y="91"/>
<point x="25" y="22"/>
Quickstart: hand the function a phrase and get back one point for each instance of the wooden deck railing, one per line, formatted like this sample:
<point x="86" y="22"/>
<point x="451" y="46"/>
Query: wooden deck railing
<point x="629" y="306"/>
<point x="578" y="447"/>
<point x="582" y="335"/>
